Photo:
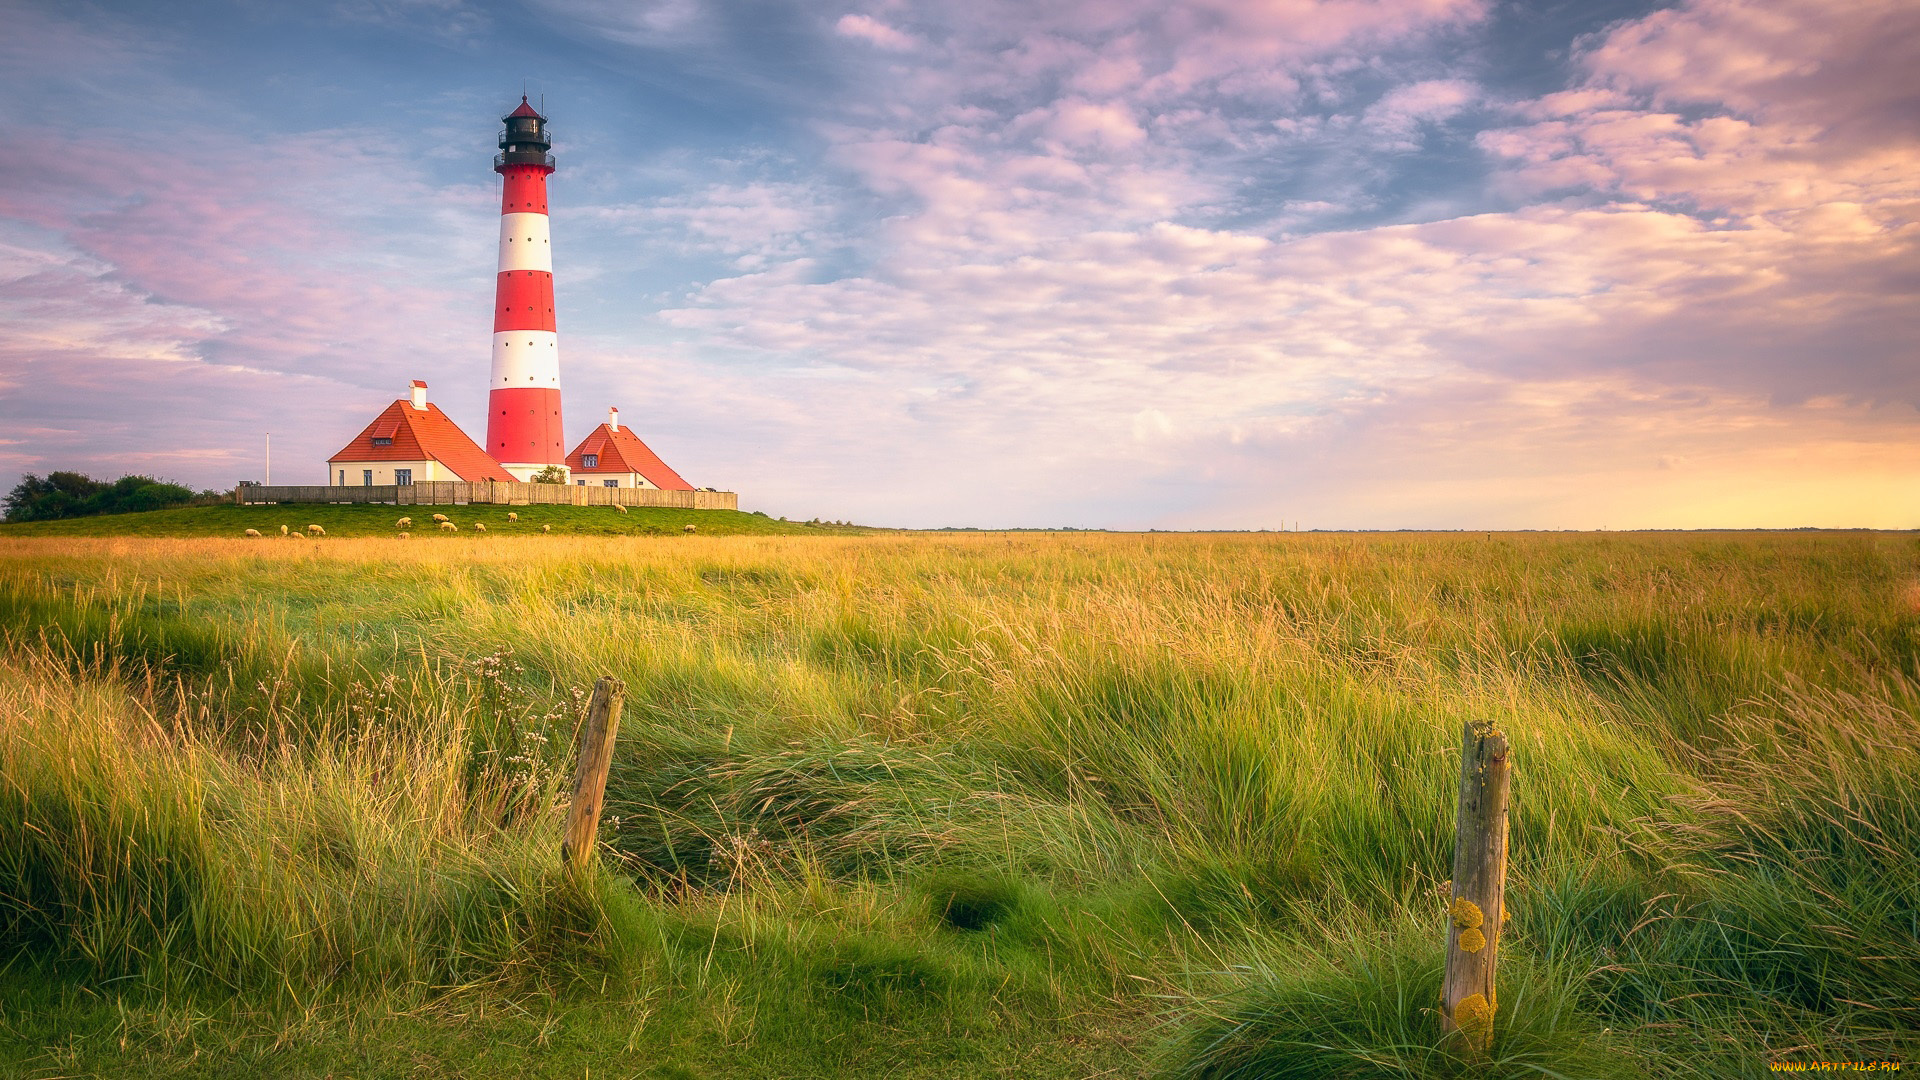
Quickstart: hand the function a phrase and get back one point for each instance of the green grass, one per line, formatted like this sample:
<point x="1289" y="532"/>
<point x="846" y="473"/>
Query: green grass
<point x="924" y="805"/>
<point x="349" y="521"/>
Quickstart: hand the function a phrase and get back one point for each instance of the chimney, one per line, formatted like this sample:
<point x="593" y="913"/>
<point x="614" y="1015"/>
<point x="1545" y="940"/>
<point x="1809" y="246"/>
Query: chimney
<point x="613" y="418"/>
<point x="419" y="395"/>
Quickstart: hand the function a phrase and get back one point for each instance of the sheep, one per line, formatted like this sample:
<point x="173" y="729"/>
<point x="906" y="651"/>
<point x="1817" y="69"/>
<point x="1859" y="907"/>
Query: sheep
<point x="479" y="526"/>
<point x="620" y="508"/>
<point x="404" y="523"/>
<point x="283" y="530"/>
<point x="441" y="518"/>
<point x="315" y="530"/>
<point x="691" y="528"/>
<point x="406" y="536"/>
<point x="255" y="533"/>
<point x="546" y="528"/>
<point x="511" y="516"/>
<point x="448" y="526"/>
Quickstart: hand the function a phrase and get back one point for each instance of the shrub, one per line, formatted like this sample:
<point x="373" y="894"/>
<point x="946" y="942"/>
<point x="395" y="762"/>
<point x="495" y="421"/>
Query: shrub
<point x="72" y="494"/>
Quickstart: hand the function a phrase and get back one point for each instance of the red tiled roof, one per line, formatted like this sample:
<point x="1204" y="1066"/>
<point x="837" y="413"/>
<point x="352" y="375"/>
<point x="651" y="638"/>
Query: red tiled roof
<point x="419" y="435"/>
<point x="622" y="451"/>
<point x="524" y="110"/>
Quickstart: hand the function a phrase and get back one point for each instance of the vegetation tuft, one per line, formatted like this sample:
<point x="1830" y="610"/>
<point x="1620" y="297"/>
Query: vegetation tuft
<point x="1364" y="1006"/>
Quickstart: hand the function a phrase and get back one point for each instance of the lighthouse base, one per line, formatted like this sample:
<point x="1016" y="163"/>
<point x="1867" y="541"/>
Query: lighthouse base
<point x="525" y="472"/>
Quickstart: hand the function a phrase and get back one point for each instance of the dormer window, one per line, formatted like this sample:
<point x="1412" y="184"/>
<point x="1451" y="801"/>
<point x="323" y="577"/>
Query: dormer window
<point x="378" y="441"/>
<point x="589" y="461"/>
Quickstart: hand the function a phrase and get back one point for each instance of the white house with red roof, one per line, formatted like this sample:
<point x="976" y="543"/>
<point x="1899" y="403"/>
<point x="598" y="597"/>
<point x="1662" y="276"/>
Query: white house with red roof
<point x="411" y="442"/>
<point x="613" y="456"/>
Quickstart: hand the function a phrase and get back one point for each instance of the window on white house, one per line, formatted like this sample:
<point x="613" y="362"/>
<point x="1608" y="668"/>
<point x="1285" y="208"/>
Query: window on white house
<point x="378" y="441"/>
<point x="589" y="461"/>
<point x="582" y="483"/>
<point x="366" y="477"/>
<point x="611" y="483"/>
<point x="343" y="478"/>
<point x="403" y="477"/>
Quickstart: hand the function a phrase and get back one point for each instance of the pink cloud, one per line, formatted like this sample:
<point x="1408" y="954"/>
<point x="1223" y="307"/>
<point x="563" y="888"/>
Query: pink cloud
<point x="874" y="32"/>
<point x="1786" y="59"/>
<point x="1149" y="51"/>
<point x="1797" y="85"/>
<point x="1399" y="114"/>
<point x="1077" y="122"/>
<point x="754" y="222"/>
<point x="267" y="239"/>
<point x="1570" y="330"/>
<point x="165" y="308"/>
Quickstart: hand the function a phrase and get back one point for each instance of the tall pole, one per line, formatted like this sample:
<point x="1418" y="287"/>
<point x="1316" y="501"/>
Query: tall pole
<point x="595" y="757"/>
<point x="523" y="403"/>
<point x="1479" y="906"/>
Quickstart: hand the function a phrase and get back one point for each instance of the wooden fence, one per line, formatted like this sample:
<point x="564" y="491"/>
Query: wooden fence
<point x="495" y="492"/>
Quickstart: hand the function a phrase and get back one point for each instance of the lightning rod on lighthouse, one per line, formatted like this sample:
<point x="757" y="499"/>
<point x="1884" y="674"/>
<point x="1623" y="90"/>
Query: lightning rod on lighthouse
<point x="523" y="408"/>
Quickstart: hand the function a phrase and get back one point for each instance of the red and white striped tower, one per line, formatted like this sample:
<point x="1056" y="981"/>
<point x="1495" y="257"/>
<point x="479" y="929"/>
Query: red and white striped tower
<point x="523" y="410"/>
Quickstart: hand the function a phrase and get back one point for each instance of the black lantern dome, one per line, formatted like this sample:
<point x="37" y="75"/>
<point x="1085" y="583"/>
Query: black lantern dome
<point x="524" y="140"/>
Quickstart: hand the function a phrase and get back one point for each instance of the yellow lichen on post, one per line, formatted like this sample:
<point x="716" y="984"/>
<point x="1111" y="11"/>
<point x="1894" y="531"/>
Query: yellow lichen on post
<point x="1474" y="1017"/>
<point x="1466" y="914"/>
<point x="1472" y="940"/>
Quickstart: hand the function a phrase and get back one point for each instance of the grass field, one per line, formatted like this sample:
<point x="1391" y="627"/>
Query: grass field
<point x="348" y="521"/>
<point x="1032" y="805"/>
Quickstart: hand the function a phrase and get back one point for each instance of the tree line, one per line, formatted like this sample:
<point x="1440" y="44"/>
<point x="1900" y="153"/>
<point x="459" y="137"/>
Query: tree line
<point x="72" y="494"/>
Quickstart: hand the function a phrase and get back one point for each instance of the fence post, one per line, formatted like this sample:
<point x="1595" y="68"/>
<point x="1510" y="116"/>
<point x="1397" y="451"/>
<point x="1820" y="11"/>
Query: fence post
<point x="1479" y="887"/>
<point x="590" y="772"/>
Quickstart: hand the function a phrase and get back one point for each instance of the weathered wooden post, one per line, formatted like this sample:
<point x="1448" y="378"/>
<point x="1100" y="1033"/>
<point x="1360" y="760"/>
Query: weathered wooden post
<point x="590" y="772"/>
<point x="1479" y="887"/>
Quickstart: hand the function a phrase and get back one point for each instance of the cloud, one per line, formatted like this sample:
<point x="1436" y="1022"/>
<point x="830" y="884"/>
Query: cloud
<point x="1079" y="123"/>
<point x="454" y="20"/>
<point x="1790" y="106"/>
<point x="1040" y="292"/>
<point x="750" y="222"/>
<point x="161" y="305"/>
<point x="1847" y="67"/>
<point x="1399" y="114"/>
<point x="646" y="23"/>
<point x="874" y="32"/>
<point x="267" y="238"/>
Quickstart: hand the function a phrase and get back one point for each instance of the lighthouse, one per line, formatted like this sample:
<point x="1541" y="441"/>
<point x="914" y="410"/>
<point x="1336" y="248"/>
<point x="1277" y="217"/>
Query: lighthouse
<point x="413" y="442"/>
<point x="523" y="407"/>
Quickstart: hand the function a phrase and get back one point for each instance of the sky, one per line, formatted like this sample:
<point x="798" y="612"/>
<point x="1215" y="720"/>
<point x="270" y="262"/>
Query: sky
<point x="1175" y="264"/>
